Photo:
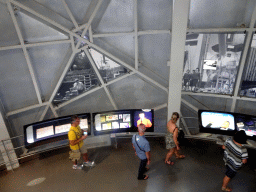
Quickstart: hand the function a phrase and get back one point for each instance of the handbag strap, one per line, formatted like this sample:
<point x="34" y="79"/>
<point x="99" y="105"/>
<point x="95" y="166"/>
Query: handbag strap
<point x="174" y="129"/>
<point x="137" y="143"/>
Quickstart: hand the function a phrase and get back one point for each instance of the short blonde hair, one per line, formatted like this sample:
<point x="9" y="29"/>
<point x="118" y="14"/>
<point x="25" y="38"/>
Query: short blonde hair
<point x="175" y="116"/>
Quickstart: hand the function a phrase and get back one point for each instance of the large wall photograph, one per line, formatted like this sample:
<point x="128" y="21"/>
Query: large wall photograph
<point x="211" y="62"/>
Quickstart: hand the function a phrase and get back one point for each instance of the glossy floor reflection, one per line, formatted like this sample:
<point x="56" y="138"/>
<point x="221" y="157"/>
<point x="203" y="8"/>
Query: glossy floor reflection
<point x="116" y="170"/>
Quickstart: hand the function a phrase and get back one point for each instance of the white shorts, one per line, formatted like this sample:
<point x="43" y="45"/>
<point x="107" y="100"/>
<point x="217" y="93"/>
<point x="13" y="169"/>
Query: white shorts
<point x="83" y="150"/>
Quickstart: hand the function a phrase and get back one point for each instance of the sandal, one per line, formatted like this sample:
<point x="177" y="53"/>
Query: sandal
<point x="226" y="189"/>
<point x="169" y="162"/>
<point x="180" y="157"/>
<point x="145" y="177"/>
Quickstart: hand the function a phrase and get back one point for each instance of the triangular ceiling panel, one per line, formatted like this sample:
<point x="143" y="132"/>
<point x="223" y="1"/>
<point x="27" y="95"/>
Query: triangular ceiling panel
<point x="109" y="69"/>
<point x="133" y="92"/>
<point x="35" y="31"/>
<point x="7" y="30"/>
<point x="155" y="15"/>
<point x="118" y="17"/>
<point x="48" y="63"/>
<point x="79" y="9"/>
<point x="154" y="52"/>
<point x="56" y="6"/>
<point x="94" y="102"/>
<point x="25" y="118"/>
<point x="16" y="86"/>
<point x="79" y="79"/>
<point x="49" y="114"/>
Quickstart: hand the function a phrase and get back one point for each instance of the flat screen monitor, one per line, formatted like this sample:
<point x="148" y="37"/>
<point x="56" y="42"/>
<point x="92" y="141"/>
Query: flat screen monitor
<point x="217" y="122"/>
<point x="248" y="124"/>
<point x="120" y="121"/>
<point x="52" y="130"/>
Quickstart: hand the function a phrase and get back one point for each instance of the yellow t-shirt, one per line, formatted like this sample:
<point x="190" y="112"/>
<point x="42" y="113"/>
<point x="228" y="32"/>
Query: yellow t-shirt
<point x="145" y="121"/>
<point x="73" y="134"/>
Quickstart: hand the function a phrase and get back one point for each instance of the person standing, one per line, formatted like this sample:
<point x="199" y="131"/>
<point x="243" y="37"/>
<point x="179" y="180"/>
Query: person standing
<point x="235" y="155"/>
<point x="76" y="137"/>
<point x="172" y="143"/>
<point x="142" y="150"/>
<point x="144" y="120"/>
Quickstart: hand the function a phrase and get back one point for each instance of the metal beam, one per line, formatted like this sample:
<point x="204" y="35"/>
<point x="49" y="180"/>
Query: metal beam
<point x="10" y="47"/>
<point x="90" y="34"/>
<point x="217" y="30"/>
<point x="180" y="15"/>
<point x="185" y="124"/>
<point x="160" y="107"/>
<point x="112" y="34"/>
<point x="30" y="67"/>
<point x="26" y="109"/>
<point x="190" y="105"/>
<point x="69" y="13"/>
<point x="44" y="112"/>
<point x="154" y="32"/>
<point x="54" y="111"/>
<point x="136" y="34"/>
<point x="48" y="43"/>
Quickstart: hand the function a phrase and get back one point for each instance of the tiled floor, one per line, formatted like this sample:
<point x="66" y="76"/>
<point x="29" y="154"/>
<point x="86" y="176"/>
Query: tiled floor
<point x="116" y="170"/>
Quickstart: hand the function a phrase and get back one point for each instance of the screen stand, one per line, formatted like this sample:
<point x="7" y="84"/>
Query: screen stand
<point x="113" y="135"/>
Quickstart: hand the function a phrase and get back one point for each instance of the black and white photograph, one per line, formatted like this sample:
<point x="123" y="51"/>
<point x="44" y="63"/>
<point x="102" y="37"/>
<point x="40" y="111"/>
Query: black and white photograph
<point x="108" y="68"/>
<point x="248" y="85"/>
<point x="79" y="79"/>
<point x="211" y="62"/>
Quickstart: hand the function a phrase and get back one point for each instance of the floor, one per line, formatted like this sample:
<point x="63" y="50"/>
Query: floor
<point x="116" y="170"/>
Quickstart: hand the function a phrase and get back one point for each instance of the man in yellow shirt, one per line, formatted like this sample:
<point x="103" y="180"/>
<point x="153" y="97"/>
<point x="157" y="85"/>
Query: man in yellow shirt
<point x="144" y="121"/>
<point x="76" y="137"/>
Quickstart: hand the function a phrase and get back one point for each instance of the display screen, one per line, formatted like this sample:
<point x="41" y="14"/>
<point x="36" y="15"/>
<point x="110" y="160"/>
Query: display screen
<point x="215" y="120"/>
<point x="246" y="123"/>
<point x="44" y="132"/>
<point x="53" y="130"/>
<point x="123" y="121"/>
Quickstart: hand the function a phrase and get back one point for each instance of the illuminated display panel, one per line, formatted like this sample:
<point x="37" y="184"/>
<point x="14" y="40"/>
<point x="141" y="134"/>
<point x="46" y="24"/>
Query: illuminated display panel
<point x="53" y="130"/>
<point x="44" y="132"/>
<point x="62" y="128"/>
<point x="122" y="121"/>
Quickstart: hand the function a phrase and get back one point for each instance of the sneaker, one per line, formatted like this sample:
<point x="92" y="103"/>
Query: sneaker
<point x="77" y="167"/>
<point x="89" y="163"/>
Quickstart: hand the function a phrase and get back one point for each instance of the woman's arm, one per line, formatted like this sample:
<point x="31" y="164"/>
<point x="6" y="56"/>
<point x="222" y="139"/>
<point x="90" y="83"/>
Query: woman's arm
<point x="175" y="136"/>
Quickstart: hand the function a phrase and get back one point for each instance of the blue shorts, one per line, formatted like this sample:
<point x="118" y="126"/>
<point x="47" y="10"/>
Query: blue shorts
<point x="230" y="172"/>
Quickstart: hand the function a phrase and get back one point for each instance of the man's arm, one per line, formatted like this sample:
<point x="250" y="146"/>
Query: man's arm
<point x="148" y="155"/>
<point x="74" y="142"/>
<point x="134" y="149"/>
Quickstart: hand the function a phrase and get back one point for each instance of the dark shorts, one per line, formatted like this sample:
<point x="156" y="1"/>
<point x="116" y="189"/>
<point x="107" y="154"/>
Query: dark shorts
<point x="230" y="172"/>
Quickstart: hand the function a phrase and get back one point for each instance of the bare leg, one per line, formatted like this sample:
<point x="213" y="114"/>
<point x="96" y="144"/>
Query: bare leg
<point x="226" y="180"/>
<point x="169" y="155"/>
<point x="75" y="162"/>
<point x="85" y="157"/>
<point x="178" y="155"/>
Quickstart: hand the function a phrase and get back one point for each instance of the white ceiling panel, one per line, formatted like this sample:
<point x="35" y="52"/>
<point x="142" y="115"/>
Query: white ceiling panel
<point x="35" y="31"/>
<point x="155" y="15"/>
<point x="16" y="86"/>
<point x="117" y="18"/>
<point x="209" y="103"/>
<point x="219" y="13"/>
<point x="56" y="6"/>
<point x="78" y="8"/>
<point x="94" y="102"/>
<point x="19" y="120"/>
<point x="49" y="62"/>
<point x="133" y="92"/>
<point x="49" y="114"/>
<point x="7" y="30"/>
<point x="154" y="52"/>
